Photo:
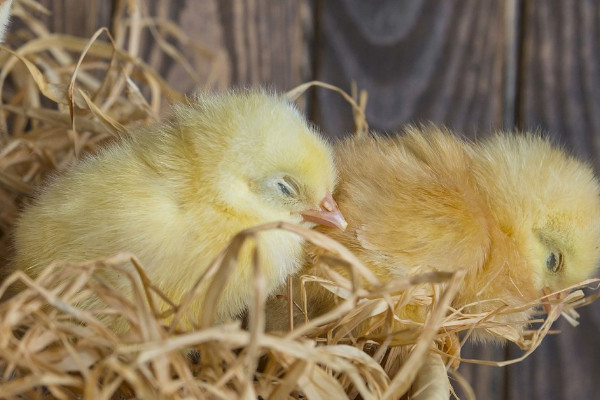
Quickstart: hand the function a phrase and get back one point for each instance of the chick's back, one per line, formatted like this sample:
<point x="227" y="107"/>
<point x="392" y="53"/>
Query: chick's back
<point x="399" y="193"/>
<point x="410" y="207"/>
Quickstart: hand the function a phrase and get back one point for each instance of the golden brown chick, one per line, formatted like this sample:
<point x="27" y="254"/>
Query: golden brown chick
<point x="176" y="193"/>
<point x="518" y="214"/>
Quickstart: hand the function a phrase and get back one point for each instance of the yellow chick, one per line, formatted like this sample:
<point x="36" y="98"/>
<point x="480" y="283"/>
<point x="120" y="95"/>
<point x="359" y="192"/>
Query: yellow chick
<point x="176" y="193"/>
<point x="521" y="216"/>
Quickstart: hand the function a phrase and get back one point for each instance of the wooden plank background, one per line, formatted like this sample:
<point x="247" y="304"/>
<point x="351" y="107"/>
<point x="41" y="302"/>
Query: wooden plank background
<point x="475" y="66"/>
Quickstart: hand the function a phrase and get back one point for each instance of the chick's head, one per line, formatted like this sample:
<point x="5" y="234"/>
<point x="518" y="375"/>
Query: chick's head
<point x="548" y="204"/>
<point x="263" y="159"/>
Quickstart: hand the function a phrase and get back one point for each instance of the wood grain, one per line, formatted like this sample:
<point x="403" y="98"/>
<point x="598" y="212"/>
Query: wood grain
<point x="488" y="382"/>
<point x="265" y="41"/>
<point x="558" y="94"/>
<point x="201" y="23"/>
<point x="560" y="71"/>
<point x="76" y="17"/>
<point x="250" y="42"/>
<point x="419" y="61"/>
<point x="237" y="42"/>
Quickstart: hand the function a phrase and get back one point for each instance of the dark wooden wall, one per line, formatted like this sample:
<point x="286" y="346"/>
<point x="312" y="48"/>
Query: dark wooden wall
<point x="475" y="66"/>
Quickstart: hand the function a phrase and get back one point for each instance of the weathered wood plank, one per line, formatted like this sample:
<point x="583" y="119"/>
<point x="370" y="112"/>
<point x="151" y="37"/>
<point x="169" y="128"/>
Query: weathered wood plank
<point x="488" y="382"/>
<point x="244" y="42"/>
<point x="419" y="61"/>
<point x="201" y="23"/>
<point x="256" y="42"/>
<point x="265" y="40"/>
<point x="559" y="77"/>
<point x="76" y="17"/>
<point x="560" y="71"/>
<point x="564" y="367"/>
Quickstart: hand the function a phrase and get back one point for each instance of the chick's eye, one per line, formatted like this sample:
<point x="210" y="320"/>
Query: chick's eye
<point x="554" y="262"/>
<point x="288" y="186"/>
<point x="285" y="189"/>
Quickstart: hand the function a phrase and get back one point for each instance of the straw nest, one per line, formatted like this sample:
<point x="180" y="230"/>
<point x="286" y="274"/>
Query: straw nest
<point x="64" y="96"/>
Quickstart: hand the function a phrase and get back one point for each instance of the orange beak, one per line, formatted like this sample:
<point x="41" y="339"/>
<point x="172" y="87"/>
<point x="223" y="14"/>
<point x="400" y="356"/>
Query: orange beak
<point x="556" y="296"/>
<point x="329" y="214"/>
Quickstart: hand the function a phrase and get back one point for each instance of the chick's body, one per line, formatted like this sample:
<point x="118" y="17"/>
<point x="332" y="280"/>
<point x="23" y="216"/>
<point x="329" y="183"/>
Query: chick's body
<point x="175" y="194"/>
<point x="519" y="215"/>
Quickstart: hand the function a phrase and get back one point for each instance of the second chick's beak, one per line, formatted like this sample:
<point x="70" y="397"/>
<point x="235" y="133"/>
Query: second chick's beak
<point x="329" y="214"/>
<point x="554" y="297"/>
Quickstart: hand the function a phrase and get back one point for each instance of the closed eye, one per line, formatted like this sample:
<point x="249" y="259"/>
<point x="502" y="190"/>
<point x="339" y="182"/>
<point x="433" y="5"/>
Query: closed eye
<point x="291" y="182"/>
<point x="285" y="189"/>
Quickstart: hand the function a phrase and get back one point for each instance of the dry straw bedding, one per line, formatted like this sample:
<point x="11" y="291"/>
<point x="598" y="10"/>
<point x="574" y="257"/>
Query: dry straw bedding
<point x="64" y="96"/>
